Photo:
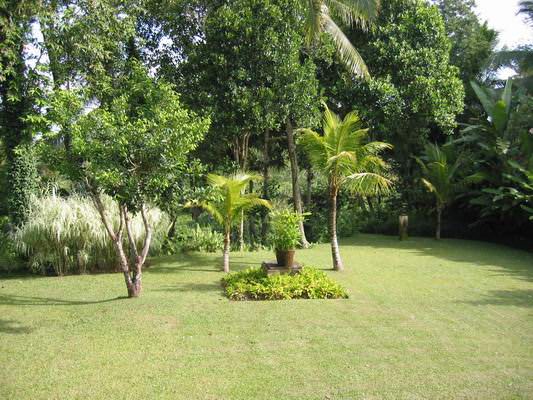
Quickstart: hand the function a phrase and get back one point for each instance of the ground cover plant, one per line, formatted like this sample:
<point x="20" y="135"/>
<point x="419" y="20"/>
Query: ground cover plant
<point x="255" y="284"/>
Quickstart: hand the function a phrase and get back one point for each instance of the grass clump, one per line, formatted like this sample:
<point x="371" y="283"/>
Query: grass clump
<point x="255" y="284"/>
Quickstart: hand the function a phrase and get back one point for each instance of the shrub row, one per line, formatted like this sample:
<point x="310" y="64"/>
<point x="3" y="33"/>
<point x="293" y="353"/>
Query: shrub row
<point x="255" y="284"/>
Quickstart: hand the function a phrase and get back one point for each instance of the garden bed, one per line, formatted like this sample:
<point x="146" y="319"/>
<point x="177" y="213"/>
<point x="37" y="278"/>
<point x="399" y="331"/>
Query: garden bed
<point x="255" y="284"/>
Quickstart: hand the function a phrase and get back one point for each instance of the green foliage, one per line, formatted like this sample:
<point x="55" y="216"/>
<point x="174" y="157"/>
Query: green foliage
<point x="254" y="284"/>
<point x="414" y="93"/>
<point x="502" y="148"/>
<point x="248" y="74"/>
<point x="285" y="232"/>
<point x="317" y="16"/>
<point x="232" y="200"/>
<point x="65" y="235"/>
<point x="440" y="168"/>
<point x="23" y="177"/>
<point x="472" y="41"/>
<point x="135" y="147"/>
<point x="343" y="154"/>
<point x="195" y="239"/>
<point x="9" y="259"/>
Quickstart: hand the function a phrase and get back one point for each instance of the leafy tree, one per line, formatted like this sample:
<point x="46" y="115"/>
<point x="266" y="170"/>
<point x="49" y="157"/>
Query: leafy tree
<point x="408" y="52"/>
<point x="231" y="204"/>
<point x="342" y="154"/>
<point x="20" y="91"/>
<point x="248" y="73"/>
<point x="133" y="148"/>
<point x="440" y="170"/>
<point x="472" y="42"/>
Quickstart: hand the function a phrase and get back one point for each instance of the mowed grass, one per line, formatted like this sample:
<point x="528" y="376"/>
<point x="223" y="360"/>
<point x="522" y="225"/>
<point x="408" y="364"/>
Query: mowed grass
<point x="425" y="320"/>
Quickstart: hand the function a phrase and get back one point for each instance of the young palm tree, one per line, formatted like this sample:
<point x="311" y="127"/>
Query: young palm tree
<point x="343" y="154"/>
<point x="440" y="177"/>
<point x="318" y="17"/>
<point x="232" y="202"/>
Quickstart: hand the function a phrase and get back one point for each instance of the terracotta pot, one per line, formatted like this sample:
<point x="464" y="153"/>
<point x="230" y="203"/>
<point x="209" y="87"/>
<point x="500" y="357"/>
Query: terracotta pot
<point x="285" y="258"/>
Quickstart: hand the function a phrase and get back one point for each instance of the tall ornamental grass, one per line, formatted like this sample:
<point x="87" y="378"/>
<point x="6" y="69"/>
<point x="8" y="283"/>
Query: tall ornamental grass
<point x="66" y="235"/>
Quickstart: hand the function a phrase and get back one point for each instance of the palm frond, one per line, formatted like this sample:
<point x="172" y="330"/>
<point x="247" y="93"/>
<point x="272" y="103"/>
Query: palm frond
<point x="315" y="147"/>
<point x="368" y="183"/>
<point x="354" y="12"/>
<point x="347" y="52"/>
<point x="313" y="20"/>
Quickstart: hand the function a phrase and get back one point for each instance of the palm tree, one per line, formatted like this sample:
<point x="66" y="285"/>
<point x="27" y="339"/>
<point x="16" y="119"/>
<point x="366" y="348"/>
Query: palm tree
<point x="440" y="171"/>
<point x="345" y="157"/>
<point x="318" y="19"/>
<point x="227" y="210"/>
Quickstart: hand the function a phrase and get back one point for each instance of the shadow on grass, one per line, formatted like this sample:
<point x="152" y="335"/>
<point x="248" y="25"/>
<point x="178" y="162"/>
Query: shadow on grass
<point x="507" y="261"/>
<point x="191" y="287"/>
<point x="517" y="298"/>
<point x="13" y="327"/>
<point x="198" y="262"/>
<point x="13" y="300"/>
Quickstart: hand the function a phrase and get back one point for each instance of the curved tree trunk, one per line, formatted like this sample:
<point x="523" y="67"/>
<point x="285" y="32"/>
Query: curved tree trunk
<point x="225" y="255"/>
<point x="132" y="278"/>
<point x="439" y="218"/>
<point x="297" y="198"/>
<point x="335" y="253"/>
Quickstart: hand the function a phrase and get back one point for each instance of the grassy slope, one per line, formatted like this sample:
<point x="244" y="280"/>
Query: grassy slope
<point x="425" y="320"/>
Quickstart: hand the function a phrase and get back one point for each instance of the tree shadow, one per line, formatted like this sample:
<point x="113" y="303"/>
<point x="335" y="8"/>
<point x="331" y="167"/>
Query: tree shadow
<point x="504" y="260"/>
<point x="198" y="262"/>
<point x="13" y="300"/>
<point x="190" y="287"/>
<point x="517" y="298"/>
<point x="13" y="327"/>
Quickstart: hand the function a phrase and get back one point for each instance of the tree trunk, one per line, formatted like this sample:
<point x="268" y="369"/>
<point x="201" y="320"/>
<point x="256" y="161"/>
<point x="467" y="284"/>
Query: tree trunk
<point x="309" y="190"/>
<point x="403" y="221"/>
<point x="251" y="221"/>
<point x="133" y="280"/>
<point x="335" y="253"/>
<point x="439" y="218"/>
<point x="296" y="196"/>
<point x="241" y="232"/>
<point x="225" y="256"/>
<point x="264" y="222"/>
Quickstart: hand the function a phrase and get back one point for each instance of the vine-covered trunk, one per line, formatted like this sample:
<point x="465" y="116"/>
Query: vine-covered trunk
<point x="439" y="219"/>
<point x="296" y="196"/>
<point x="335" y="253"/>
<point x="225" y="254"/>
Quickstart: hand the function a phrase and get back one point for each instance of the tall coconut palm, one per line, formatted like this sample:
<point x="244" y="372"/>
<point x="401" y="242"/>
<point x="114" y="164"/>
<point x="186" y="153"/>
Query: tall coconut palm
<point x="345" y="156"/>
<point x="318" y="19"/>
<point x="227" y="210"/>
<point x="441" y="177"/>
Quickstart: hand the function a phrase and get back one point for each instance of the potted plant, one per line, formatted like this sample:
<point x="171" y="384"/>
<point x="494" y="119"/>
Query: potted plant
<point x="285" y="235"/>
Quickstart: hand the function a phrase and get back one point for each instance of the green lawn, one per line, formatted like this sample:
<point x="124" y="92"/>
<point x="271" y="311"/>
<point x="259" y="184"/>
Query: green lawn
<point x="425" y="320"/>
